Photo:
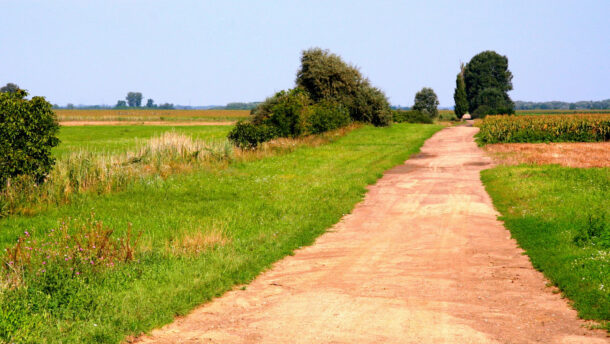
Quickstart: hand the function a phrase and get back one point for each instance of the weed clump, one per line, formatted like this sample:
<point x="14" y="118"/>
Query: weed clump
<point x="70" y="251"/>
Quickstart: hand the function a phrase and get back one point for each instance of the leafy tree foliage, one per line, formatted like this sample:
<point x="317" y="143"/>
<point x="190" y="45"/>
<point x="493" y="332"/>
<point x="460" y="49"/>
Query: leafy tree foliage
<point x="134" y="99"/>
<point x="329" y="94"/>
<point x="9" y="88"/>
<point x="326" y="77"/>
<point x="150" y="103"/>
<point x="459" y="95"/>
<point x="121" y="104"/>
<point x="426" y="102"/>
<point x="493" y="102"/>
<point x="28" y="131"/>
<point x="487" y="70"/>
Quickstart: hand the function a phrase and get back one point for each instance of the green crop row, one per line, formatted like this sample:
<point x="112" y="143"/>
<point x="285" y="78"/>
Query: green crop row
<point x="544" y="128"/>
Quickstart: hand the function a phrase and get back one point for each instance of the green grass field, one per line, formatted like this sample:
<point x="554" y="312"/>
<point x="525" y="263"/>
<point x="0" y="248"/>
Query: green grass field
<point x="561" y="217"/>
<point x="263" y="210"/>
<point x="115" y="138"/>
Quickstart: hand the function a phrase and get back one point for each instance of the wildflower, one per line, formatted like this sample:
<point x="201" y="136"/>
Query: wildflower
<point x="43" y="270"/>
<point x="44" y="263"/>
<point x="91" y="262"/>
<point x="78" y="273"/>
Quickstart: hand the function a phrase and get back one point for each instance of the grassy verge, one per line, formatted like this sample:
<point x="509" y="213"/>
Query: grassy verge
<point x="561" y="217"/>
<point x="202" y="233"/>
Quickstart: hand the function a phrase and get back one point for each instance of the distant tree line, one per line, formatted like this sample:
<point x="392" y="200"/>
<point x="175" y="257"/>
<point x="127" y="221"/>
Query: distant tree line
<point x="558" y="105"/>
<point x="134" y="100"/>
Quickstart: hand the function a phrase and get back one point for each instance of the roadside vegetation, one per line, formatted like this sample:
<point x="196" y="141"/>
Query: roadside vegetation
<point x="561" y="217"/>
<point x="171" y="244"/>
<point x="328" y="94"/>
<point x="544" y="128"/>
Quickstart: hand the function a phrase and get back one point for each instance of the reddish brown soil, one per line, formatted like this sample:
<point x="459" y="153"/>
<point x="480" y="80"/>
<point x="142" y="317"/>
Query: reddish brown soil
<point x="421" y="260"/>
<point x="577" y="154"/>
<point x="161" y="123"/>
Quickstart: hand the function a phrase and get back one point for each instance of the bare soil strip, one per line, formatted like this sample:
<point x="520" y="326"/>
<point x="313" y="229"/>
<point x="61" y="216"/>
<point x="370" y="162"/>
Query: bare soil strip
<point x="570" y="154"/>
<point x="160" y="123"/>
<point x="422" y="259"/>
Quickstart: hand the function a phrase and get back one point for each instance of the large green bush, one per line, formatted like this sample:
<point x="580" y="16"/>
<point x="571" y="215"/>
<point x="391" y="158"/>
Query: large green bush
<point x="250" y="135"/>
<point x="326" y="116"/>
<point x="28" y="131"/>
<point x="326" y="77"/>
<point x="329" y="94"/>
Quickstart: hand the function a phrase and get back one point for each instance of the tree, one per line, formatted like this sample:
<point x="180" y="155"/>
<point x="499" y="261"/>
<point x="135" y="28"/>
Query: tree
<point x="426" y="102"/>
<point x="9" y="88"/>
<point x="150" y="103"/>
<point x="28" y="131"/>
<point x="327" y="78"/>
<point x="459" y="96"/>
<point x="134" y="99"/>
<point x="121" y="104"/>
<point x="484" y="71"/>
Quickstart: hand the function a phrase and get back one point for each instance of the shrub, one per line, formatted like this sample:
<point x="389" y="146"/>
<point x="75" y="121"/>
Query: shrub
<point x="250" y="135"/>
<point x="370" y="105"/>
<point x="544" y="128"/>
<point x="411" y="116"/>
<point x="326" y="116"/>
<point x="28" y="131"/>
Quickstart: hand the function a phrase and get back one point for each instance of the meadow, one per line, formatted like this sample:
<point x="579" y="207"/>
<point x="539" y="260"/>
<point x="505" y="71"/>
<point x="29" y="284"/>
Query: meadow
<point x="121" y="138"/>
<point x="560" y="216"/>
<point x="174" y="241"/>
<point x="145" y="115"/>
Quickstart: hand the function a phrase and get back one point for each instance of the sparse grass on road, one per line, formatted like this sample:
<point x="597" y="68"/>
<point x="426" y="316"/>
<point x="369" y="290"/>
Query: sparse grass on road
<point x="561" y="217"/>
<point x="255" y="212"/>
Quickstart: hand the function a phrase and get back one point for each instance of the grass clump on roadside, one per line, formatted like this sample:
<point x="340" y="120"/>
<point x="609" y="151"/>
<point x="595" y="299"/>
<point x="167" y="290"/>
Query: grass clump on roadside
<point x="544" y="128"/>
<point x="561" y="217"/>
<point x="202" y="233"/>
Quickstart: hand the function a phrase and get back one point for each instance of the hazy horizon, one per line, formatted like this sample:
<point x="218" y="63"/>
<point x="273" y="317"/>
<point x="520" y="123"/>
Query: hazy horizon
<point x="204" y="53"/>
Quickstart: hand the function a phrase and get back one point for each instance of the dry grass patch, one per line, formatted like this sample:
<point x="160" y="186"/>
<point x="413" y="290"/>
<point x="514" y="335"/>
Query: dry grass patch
<point x="577" y="154"/>
<point x="194" y="243"/>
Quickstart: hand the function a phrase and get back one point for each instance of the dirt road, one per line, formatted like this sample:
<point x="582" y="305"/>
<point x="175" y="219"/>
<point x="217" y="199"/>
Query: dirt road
<point x="421" y="260"/>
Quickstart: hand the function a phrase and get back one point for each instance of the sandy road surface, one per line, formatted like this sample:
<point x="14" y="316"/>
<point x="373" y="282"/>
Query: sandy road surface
<point x="421" y="260"/>
<point x="160" y="123"/>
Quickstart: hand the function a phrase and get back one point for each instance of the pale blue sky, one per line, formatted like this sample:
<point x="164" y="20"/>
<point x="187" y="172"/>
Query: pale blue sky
<point x="204" y="52"/>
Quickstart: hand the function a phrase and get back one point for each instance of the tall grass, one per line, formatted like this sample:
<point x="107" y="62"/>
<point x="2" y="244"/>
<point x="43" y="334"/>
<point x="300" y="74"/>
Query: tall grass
<point x="83" y="171"/>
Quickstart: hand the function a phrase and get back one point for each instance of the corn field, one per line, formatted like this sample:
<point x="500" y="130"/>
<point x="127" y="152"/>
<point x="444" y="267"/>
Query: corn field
<point x="544" y="128"/>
